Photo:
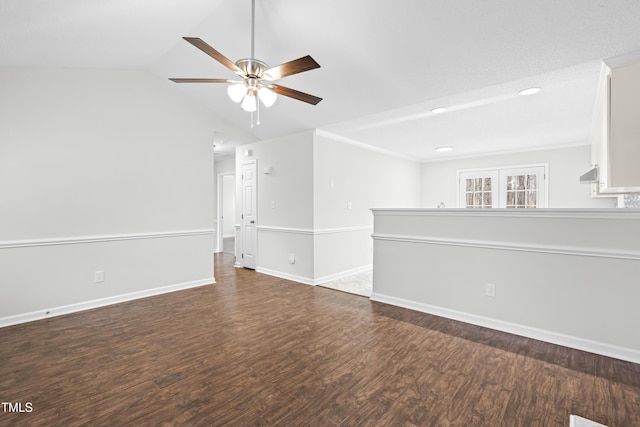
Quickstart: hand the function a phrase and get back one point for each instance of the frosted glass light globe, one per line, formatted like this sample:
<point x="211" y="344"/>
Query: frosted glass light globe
<point x="267" y="96"/>
<point x="249" y="103"/>
<point x="236" y="92"/>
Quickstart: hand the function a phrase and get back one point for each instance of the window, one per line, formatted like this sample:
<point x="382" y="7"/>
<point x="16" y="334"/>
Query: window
<point x="479" y="188"/>
<point x="522" y="191"/>
<point x="516" y="187"/>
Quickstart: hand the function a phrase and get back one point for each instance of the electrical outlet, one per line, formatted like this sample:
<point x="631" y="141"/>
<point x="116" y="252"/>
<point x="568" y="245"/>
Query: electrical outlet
<point x="98" y="276"/>
<point x="491" y="290"/>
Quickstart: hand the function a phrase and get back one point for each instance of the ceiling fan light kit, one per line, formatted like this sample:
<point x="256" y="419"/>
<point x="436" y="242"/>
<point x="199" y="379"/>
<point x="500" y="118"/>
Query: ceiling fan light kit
<point x="236" y="92"/>
<point x="249" y="102"/>
<point x="267" y="96"/>
<point x="256" y="76"/>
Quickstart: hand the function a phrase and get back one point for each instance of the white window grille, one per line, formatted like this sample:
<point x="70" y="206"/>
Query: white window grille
<point x="514" y="187"/>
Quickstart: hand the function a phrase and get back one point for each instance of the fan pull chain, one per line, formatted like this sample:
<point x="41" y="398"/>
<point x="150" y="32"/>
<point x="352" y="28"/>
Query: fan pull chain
<point x="258" y="109"/>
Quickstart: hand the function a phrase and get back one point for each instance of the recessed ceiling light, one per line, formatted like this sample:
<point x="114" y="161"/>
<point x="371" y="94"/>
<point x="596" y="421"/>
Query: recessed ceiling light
<point x="438" y="110"/>
<point x="529" y="91"/>
<point x="444" y="148"/>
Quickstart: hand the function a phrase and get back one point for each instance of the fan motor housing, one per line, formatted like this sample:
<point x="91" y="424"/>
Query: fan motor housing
<point x="252" y="67"/>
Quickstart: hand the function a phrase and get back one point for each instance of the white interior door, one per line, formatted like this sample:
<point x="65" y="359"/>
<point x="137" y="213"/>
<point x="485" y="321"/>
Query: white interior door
<point x="248" y="217"/>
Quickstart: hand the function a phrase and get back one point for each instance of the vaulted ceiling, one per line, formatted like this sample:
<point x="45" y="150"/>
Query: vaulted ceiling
<point x="384" y="65"/>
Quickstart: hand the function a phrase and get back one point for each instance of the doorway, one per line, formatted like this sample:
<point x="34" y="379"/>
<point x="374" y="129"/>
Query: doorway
<point x="226" y="213"/>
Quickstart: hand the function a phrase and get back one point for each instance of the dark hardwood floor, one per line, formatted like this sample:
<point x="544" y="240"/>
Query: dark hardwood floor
<point x="257" y="350"/>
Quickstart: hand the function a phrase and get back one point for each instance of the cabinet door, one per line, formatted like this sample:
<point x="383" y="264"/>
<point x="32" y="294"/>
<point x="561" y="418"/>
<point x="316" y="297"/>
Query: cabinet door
<point x="624" y="128"/>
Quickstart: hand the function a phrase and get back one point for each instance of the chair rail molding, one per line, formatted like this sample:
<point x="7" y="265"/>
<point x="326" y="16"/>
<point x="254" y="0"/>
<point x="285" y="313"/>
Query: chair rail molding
<point x="509" y="246"/>
<point x="55" y="241"/>
<point x="316" y="231"/>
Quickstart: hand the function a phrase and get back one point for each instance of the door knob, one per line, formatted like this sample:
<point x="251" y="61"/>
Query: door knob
<point x="252" y="222"/>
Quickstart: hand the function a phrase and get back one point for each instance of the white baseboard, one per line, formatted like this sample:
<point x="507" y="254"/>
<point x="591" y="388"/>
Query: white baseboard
<point x="311" y="281"/>
<point x="577" y="343"/>
<point x="87" y="305"/>
<point x="342" y="274"/>
<point x="287" y="276"/>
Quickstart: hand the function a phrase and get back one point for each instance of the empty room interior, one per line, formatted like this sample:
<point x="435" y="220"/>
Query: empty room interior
<point x="320" y="213"/>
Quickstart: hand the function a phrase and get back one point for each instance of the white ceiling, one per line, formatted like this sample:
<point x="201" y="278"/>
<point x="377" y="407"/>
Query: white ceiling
<point x="385" y="64"/>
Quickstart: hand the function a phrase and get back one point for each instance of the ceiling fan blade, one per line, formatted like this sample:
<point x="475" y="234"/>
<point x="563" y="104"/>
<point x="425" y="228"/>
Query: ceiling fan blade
<point x="200" y="44"/>
<point x="296" y="66"/>
<point x="202" y="80"/>
<point x="295" y="94"/>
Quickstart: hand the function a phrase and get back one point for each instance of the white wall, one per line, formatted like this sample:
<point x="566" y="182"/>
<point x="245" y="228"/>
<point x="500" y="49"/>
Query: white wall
<point x="440" y="180"/>
<point x="286" y="228"/>
<point x="100" y="170"/>
<point x="567" y="276"/>
<point x="313" y="178"/>
<point x="348" y="181"/>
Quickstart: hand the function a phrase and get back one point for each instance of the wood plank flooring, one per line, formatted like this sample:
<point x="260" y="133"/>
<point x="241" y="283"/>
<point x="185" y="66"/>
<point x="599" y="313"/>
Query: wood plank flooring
<point x="257" y="350"/>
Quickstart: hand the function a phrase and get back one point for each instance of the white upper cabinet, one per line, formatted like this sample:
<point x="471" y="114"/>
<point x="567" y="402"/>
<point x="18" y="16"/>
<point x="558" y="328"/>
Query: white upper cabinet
<point x="616" y="144"/>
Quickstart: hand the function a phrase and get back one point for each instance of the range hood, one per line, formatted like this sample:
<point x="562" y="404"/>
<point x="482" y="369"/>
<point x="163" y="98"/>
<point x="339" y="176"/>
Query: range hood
<point x="591" y="177"/>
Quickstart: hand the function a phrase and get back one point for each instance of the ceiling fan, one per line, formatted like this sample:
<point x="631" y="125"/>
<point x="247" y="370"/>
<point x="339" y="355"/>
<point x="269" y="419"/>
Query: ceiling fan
<point x="256" y="75"/>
